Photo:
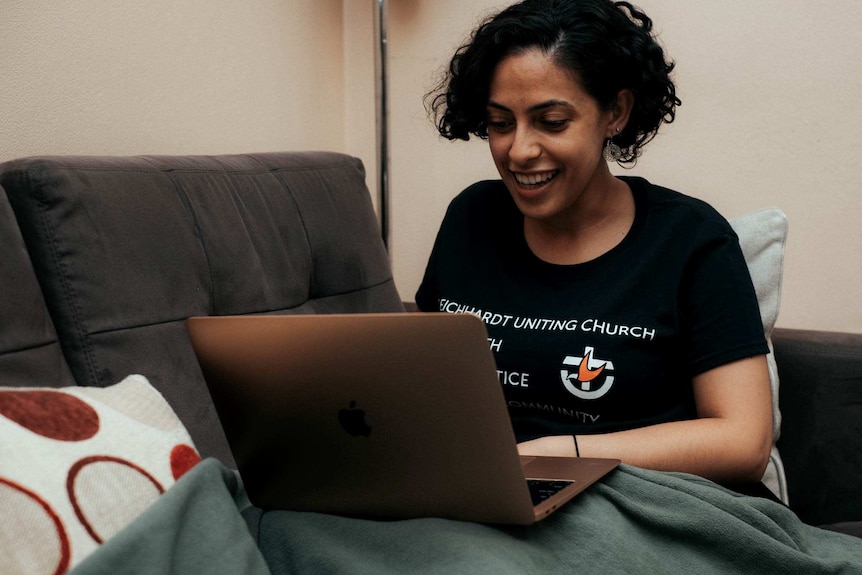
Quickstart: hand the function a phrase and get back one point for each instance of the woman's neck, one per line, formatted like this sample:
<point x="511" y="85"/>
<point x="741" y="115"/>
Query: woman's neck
<point x="586" y="232"/>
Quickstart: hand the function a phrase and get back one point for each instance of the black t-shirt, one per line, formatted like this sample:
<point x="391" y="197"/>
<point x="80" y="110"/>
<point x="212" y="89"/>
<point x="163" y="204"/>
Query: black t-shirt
<point x="609" y="344"/>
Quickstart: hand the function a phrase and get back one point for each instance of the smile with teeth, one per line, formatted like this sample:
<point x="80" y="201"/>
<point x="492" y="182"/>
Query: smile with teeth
<point x="536" y="179"/>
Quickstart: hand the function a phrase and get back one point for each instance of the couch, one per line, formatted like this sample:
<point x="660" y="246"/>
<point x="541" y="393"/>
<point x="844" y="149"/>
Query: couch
<point x="105" y="257"/>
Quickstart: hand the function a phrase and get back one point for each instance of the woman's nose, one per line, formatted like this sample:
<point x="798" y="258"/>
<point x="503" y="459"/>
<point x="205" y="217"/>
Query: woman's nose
<point x="525" y="146"/>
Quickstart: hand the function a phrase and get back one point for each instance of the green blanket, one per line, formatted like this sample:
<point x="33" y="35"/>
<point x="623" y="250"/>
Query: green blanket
<point x="195" y="527"/>
<point x="633" y="521"/>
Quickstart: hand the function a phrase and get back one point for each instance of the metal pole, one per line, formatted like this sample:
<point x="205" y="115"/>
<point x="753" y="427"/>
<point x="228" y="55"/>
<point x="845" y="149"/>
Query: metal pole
<point x="381" y="22"/>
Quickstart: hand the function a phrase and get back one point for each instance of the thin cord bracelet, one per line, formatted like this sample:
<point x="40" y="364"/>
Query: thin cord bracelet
<point x="577" y="451"/>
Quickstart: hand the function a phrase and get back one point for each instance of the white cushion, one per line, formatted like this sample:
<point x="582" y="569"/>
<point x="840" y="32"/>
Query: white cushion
<point x="762" y="236"/>
<point x="77" y="464"/>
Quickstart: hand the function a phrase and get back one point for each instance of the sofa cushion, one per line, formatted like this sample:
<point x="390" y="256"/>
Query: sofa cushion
<point x="29" y="351"/>
<point x="853" y="528"/>
<point x="762" y="236"/>
<point x="87" y="462"/>
<point x="127" y="248"/>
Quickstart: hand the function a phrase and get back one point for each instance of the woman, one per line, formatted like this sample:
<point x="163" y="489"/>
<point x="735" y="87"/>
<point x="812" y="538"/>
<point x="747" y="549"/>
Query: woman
<point x="621" y="314"/>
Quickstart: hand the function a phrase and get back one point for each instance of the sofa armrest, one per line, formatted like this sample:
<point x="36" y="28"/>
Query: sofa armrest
<point x="821" y="433"/>
<point x="30" y="354"/>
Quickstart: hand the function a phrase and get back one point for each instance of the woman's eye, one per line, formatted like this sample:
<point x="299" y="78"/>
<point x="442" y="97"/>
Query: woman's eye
<point x="555" y="125"/>
<point x="499" y="125"/>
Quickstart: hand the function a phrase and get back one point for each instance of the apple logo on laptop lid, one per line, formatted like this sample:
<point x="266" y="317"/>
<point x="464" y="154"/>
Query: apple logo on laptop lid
<point x="352" y="420"/>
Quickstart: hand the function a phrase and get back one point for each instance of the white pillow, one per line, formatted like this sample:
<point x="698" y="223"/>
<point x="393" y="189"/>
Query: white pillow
<point x="77" y="464"/>
<point x="762" y="236"/>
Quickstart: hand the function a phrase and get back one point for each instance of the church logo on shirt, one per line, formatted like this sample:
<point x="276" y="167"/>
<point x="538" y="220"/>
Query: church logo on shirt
<point x="587" y="377"/>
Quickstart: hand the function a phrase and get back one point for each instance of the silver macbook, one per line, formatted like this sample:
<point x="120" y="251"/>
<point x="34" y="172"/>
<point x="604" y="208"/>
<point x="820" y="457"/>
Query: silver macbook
<point x="376" y="415"/>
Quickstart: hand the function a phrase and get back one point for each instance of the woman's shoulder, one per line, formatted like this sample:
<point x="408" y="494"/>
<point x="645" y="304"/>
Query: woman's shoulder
<point x="483" y="199"/>
<point x="672" y="208"/>
<point x="481" y="192"/>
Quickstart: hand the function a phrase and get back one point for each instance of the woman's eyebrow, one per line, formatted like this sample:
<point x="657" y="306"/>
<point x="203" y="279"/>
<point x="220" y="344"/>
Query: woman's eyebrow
<point x="535" y="107"/>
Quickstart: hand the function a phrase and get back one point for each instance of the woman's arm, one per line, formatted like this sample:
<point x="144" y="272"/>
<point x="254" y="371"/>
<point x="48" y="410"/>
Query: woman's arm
<point x="729" y="442"/>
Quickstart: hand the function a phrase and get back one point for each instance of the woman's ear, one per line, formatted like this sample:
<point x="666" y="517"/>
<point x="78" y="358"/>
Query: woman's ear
<point x="620" y="112"/>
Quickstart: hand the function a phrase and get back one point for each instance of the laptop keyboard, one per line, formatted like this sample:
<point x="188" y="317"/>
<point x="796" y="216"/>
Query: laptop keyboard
<point x="541" y="489"/>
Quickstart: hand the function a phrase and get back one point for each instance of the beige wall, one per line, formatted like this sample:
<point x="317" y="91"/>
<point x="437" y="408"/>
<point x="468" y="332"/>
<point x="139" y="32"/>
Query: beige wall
<point x="770" y="117"/>
<point x="770" y="113"/>
<point x="170" y="77"/>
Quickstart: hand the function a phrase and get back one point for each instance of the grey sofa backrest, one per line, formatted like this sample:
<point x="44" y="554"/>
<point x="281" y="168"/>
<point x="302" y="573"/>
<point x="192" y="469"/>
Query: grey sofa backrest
<point x="30" y="354"/>
<point x="126" y="248"/>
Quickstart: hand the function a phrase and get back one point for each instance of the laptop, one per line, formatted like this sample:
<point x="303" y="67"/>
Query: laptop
<point x="387" y="416"/>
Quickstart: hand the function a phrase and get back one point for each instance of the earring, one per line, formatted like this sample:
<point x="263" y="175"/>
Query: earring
<point x="612" y="151"/>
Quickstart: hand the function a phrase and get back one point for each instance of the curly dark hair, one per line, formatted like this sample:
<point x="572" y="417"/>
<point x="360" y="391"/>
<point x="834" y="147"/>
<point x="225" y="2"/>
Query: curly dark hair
<point x="608" y="45"/>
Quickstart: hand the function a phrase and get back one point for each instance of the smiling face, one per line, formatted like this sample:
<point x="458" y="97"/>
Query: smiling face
<point x="546" y="135"/>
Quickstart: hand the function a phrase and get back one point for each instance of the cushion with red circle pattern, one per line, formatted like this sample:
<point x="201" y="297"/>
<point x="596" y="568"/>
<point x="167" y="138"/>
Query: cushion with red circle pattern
<point x="77" y="464"/>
